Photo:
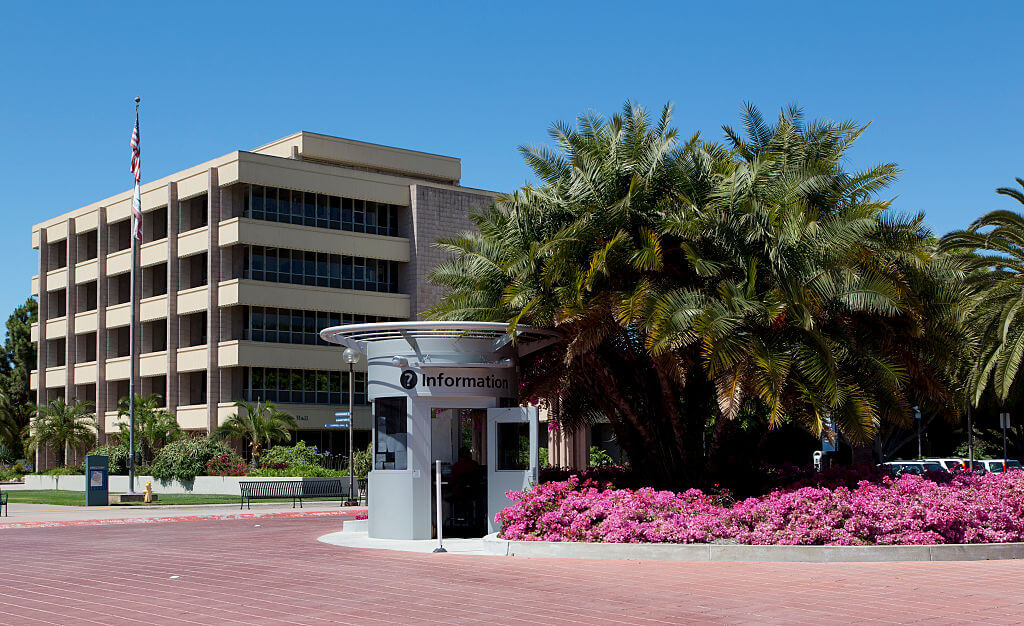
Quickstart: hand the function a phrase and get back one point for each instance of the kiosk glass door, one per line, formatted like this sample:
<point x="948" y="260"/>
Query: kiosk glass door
<point x="512" y="441"/>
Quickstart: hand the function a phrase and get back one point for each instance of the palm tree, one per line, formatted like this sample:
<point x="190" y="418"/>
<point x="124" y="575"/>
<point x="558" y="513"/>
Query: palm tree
<point x="261" y="424"/>
<point x="155" y="427"/>
<point x="692" y="279"/>
<point x="994" y="245"/>
<point x="63" y="426"/>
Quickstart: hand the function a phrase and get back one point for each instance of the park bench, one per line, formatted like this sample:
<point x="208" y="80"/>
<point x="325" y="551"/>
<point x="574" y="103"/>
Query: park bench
<point x="298" y="489"/>
<point x="270" y="490"/>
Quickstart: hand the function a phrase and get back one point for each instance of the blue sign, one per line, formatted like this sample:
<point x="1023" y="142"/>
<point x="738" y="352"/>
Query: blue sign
<point x="342" y="414"/>
<point x="335" y="426"/>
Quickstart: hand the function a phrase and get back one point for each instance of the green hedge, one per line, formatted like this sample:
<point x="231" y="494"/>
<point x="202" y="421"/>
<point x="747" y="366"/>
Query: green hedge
<point x="117" y="457"/>
<point x="187" y="458"/>
<point x="299" y="454"/>
<point x="298" y="470"/>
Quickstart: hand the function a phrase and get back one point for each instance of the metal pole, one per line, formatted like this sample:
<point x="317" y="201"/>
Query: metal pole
<point x="351" y="420"/>
<point x="437" y="480"/>
<point x="917" y="416"/>
<point x="970" y="437"/>
<point x="1005" y="422"/>
<point x="131" y="352"/>
<point x="920" y="455"/>
<point x="131" y="378"/>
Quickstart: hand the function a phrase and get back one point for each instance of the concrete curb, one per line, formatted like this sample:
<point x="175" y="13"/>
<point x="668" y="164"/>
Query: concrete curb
<point x="355" y="525"/>
<point x="169" y="518"/>
<point x="739" y="552"/>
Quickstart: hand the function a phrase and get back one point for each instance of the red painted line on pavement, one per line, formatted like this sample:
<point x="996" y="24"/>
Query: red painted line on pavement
<point x="178" y="518"/>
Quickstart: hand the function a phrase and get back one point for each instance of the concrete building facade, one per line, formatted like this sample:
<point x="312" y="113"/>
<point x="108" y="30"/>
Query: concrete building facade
<point x="244" y="259"/>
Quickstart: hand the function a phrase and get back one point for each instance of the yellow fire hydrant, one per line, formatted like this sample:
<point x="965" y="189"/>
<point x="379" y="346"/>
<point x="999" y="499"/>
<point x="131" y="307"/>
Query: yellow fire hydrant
<point x="148" y="497"/>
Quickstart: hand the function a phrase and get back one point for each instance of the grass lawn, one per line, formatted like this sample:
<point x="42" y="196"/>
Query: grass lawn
<point x="77" y="498"/>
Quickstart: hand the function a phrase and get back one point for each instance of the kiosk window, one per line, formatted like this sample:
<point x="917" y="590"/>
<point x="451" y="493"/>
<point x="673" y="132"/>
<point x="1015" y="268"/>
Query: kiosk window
<point x="392" y="438"/>
<point x="513" y="442"/>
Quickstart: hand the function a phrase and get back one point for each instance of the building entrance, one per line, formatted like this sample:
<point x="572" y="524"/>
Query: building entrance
<point x="458" y="440"/>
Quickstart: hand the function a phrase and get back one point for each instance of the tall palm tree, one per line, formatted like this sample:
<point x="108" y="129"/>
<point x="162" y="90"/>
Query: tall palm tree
<point x="261" y="424"/>
<point x="690" y="279"/>
<point x="994" y="245"/>
<point x="64" y="427"/>
<point x="155" y="427"/>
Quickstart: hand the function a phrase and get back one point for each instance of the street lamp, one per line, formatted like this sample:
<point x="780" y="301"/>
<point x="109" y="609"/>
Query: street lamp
<point x="351" y="357"/>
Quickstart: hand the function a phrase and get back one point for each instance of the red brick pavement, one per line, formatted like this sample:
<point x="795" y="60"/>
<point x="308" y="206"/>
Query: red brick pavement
<point x="273" y="571"/>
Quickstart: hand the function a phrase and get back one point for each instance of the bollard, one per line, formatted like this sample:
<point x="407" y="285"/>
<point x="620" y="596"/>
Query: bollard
<point x="437" y="477"/>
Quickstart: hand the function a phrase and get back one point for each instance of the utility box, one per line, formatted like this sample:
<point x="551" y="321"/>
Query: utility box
<point x="97" y="469"/>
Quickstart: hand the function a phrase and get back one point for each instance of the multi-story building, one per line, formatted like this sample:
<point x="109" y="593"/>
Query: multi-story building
<point x="244" y="259"/>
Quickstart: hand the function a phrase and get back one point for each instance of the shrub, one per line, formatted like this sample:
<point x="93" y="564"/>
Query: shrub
<point x="599" y="457"/>
<point x="65" y="471"/>
<point x="621" y="476"/>
<point x="298" y="470"/>
<point x="362" y="461"/>
<point x="226" y="465"/>
<point x="117" y="457"/>
<point x="187" y="458"/>
<point x="909" y="510"/>
<point x="299" y="454"/>
<point x="15" y="470"/>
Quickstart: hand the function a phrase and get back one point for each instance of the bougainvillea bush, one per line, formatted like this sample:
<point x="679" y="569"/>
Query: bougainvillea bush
<point x="226" y="465"/>
<point x="908" y="510"/>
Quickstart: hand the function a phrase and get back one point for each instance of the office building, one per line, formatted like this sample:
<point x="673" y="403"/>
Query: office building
<point x="244" y="259"/>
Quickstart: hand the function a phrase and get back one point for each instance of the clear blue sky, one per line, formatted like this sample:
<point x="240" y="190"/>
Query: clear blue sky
<point x="940" y="82"/>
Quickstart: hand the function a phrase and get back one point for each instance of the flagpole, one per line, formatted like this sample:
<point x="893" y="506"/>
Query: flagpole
<point x="131" y="333"/>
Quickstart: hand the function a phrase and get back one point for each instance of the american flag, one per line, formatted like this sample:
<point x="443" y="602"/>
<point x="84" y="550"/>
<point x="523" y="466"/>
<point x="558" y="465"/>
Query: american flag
<point x="136" y="172"/>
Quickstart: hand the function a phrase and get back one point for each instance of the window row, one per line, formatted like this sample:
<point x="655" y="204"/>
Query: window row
<point x="303" y="386"/>
<point x="297" y="326"/>
<point x="280" y="265"/>
<point x="319" y="210"/>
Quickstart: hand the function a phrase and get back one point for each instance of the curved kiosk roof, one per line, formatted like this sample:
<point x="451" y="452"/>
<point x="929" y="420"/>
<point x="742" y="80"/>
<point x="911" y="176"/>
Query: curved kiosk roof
<point x="438" y="388"/>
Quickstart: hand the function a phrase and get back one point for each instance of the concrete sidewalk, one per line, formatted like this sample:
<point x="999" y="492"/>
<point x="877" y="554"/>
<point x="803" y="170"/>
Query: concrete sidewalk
<point x="23" y="515"/>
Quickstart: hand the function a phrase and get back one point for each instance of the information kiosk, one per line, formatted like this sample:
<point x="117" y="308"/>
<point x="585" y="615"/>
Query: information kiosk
<point x="444" y="391"/>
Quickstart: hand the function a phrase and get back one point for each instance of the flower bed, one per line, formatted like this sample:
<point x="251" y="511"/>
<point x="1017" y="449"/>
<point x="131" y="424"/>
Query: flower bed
<point x="910" y="510"/>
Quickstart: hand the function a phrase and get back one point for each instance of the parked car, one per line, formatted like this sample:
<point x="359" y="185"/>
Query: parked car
<point x="998" y="466"/>
<point x="951" y="464"/>
<point x="899" y="468"/>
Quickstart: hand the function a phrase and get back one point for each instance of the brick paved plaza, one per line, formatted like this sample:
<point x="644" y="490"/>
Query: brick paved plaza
<point x="274" y="571"/>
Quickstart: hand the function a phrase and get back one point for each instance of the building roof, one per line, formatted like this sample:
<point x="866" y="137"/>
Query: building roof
<point x="356" y="336"/>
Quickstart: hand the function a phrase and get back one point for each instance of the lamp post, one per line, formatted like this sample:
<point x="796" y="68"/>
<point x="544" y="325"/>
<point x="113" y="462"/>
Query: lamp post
<point x="917" y="416"/>
<point x="351" y="357"/>
<point x="1004" y="423"/>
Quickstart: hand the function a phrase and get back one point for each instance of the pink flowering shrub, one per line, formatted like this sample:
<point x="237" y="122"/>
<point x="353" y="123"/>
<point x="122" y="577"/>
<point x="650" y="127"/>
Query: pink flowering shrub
<point x="790" y="477"/>
<point x="909" y="510"/>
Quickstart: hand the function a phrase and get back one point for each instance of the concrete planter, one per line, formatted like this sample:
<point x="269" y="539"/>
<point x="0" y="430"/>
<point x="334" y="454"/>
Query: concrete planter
<point x="736" y="552"/>
<point x="220" y="485"/>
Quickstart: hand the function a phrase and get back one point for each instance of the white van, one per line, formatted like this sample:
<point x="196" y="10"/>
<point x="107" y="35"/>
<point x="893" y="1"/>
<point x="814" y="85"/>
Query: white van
<point x="899" y="468"/>
<point x="998" y="466"/>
